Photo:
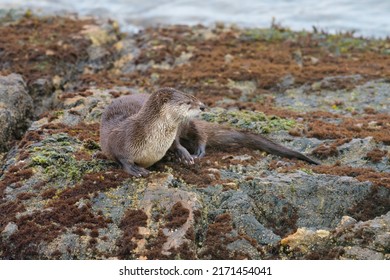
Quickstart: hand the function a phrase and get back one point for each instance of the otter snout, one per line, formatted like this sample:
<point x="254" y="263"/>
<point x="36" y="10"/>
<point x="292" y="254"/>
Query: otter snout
<point x="202" y="107"/>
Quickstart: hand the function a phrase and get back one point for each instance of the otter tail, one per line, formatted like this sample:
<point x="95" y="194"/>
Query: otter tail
<point x="224" y="137"/>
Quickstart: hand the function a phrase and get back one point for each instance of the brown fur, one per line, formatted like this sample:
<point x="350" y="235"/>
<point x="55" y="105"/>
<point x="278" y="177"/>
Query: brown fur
<point x="137" y="130"/>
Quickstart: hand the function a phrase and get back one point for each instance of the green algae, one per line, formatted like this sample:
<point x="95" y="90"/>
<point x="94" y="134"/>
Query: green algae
<point x="256" y="121"/>
<point x="344" y="43"/>
<point x="268" y="34"/>
<point x="307" y="171"/>
<point x="56" y="156"/>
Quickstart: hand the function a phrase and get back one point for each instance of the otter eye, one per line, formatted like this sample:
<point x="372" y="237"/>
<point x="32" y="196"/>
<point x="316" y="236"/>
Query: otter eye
<point x="188" y="103"/>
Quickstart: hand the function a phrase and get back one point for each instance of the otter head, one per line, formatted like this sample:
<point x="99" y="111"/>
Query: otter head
<point x="176" y="104"/>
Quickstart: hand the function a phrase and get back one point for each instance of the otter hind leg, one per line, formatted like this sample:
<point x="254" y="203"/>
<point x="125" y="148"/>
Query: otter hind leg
<point x="133" y="169"/>
<point x="200" y="151"/>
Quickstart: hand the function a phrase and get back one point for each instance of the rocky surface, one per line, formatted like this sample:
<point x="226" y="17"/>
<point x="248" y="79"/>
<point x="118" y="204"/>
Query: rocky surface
<point x="316" y="93"/>
<point x="15" y="109"/>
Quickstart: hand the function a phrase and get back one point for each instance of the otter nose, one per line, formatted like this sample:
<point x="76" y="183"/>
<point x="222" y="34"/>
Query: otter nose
<point x="202" y="107"/>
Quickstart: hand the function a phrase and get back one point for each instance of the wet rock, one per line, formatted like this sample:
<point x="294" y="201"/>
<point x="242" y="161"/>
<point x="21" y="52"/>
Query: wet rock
<point x="16" y="107"/>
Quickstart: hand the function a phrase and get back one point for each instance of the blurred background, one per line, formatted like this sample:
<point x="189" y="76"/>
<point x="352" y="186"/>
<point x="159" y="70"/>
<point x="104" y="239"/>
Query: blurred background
<point x="370" y="18"/>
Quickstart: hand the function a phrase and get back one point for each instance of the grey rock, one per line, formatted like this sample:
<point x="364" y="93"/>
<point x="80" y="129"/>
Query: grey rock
<point x="98" y="56"/>
<point x="254" y="229"/>
<point x="349" y="100"/>
<point x="346" y="222"/>
<point x="359" y="253"/>
<point x="15" y="109"/>
<point x="129" y="52"/>
<point x="183" y="59"/>
<point x="243" y="247"/>
<point x="42" y="92"/>
<point x="313" y="200"/>
<point x="286" y="82"/>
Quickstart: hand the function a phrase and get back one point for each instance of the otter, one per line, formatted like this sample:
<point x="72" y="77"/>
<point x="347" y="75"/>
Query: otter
<point x="137" y="131"/>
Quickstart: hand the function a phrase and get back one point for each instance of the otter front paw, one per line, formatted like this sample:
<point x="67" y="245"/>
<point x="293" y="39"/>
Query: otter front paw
<point x="136" y="171"/>
<point x="184" y="156"/>
<point x="133" y="169"/>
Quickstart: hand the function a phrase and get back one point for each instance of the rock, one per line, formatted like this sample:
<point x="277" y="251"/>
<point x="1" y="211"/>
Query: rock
<point x="358" y="253"/>
<point x="228" y="58"/>
<point x="98" y="57"/>
<point x="183" y="58"/>
<point x="286" y="82"/>
<point x="243" y="247"/>
<point x="16" y="107"/>
<point x="326" y="97"/>
<point x="128" y="52"/>
<point x="9" y="229"/>
<point x="43" y="95"/>
<point x="254" y="229"/>
<point x="346" y="222"/>
<point x="303" y="200"/>
<point x="304" y="239"/>
<point x="368" y="240"/>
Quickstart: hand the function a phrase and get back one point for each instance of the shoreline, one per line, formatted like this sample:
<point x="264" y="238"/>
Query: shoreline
<point x="130" y="26"/>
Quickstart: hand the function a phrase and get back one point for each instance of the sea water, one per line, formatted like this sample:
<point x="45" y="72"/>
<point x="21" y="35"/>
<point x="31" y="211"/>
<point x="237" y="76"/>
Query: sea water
<point x="370" y="18"/>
